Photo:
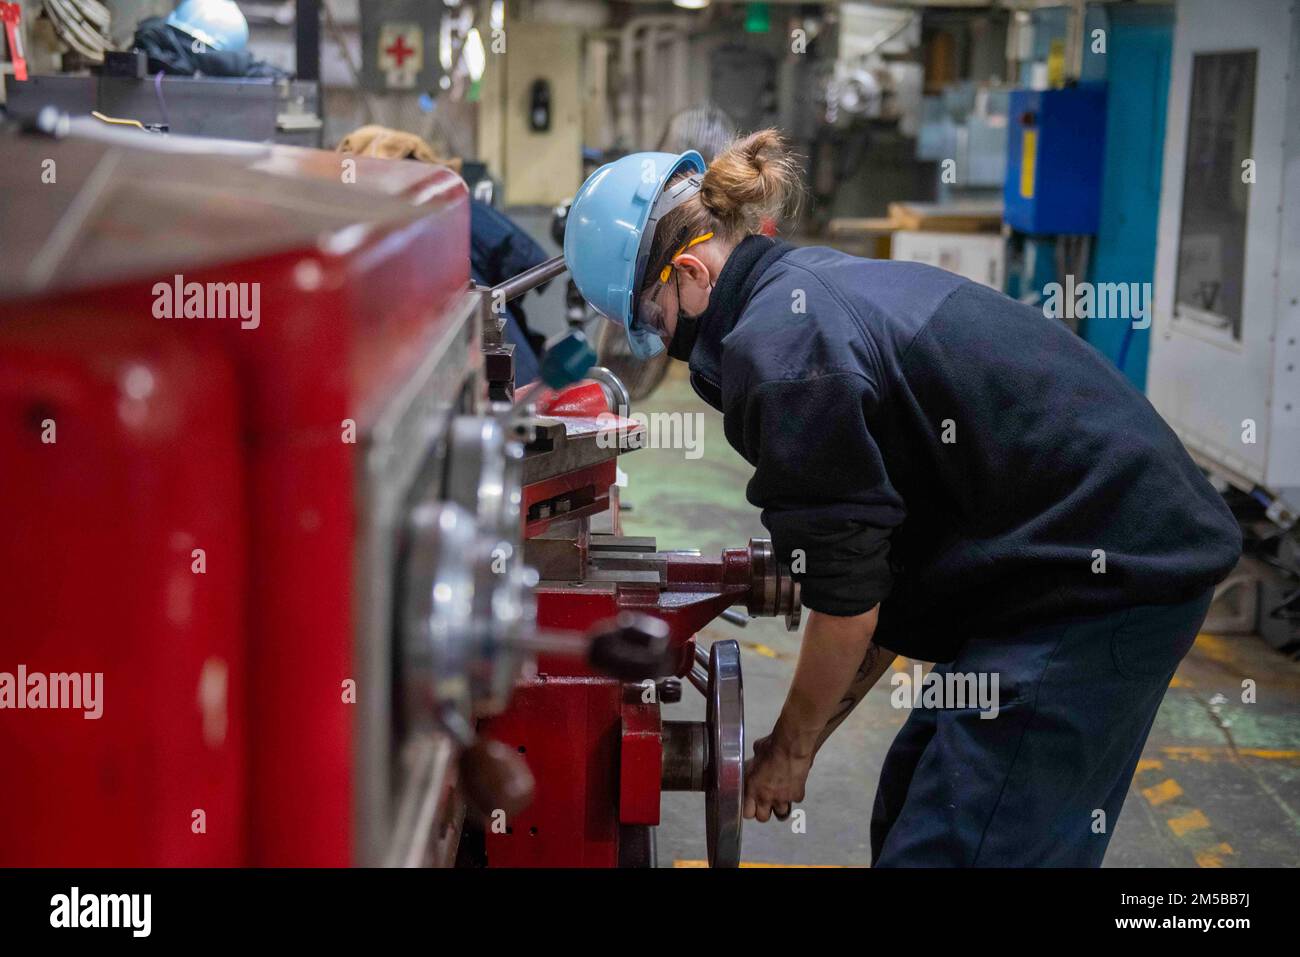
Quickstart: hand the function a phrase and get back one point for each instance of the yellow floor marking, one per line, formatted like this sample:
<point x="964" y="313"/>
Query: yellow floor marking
<point x="1195" y="753"/>
<point x="901" y="664"/>
<point x="1193" y="820"/>
<point x="1191" y="753"/>
<point x="1270" y="754"/>
<point x="1213" y="857"/>
<point x="1166" y="795"/>
<point x="1217" y="649"/>
<point x="1178" y="682"/>
<point x="1166" y="790"/>
<point x="763" y="650"/>
<point x="681" y="863"/>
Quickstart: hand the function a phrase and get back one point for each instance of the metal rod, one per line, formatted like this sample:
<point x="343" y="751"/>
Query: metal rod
<point x="737" y="618"/>
<point x="700" y="679"/>
<point x="572" y="644"/>
<point x="701" y="656"/>
<point x="516" y="286"/>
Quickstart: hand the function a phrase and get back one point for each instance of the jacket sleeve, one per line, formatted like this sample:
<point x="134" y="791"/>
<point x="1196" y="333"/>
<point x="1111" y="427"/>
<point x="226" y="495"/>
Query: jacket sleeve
<point x="821" y="483"/>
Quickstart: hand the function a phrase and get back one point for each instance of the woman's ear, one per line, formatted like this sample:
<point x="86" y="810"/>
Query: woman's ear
<point x="692" y="268"/>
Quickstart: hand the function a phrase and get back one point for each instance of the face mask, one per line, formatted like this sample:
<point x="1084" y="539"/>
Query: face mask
<point x="688" y="329"/>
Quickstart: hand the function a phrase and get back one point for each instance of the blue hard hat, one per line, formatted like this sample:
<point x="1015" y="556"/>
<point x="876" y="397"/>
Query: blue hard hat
<point x="610" y="229"/>
<point x="218" y="24"/>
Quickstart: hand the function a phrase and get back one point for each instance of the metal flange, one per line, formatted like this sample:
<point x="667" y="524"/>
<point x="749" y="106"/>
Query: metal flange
<point x="484" y="477"/>
<point x="773" y="590"/>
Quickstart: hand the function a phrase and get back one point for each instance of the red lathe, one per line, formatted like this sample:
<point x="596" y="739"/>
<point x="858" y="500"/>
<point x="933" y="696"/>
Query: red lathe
<point x="297" y="547"/>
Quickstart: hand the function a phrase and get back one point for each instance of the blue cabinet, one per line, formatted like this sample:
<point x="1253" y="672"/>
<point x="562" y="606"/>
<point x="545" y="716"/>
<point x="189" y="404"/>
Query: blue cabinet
<point x="1054" y="160"/>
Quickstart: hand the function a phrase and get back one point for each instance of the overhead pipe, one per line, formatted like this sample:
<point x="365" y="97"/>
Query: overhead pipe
<point x="627" y="94"/>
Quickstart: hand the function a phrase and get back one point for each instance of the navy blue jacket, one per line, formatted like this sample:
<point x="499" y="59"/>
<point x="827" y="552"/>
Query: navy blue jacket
<point x="500" y="250"/>
<point x="926" y="443"/>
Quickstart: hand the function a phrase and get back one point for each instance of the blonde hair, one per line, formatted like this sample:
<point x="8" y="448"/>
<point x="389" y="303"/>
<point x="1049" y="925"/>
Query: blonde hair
<point x="385" y="143"/>
<point x="751" y="182"/>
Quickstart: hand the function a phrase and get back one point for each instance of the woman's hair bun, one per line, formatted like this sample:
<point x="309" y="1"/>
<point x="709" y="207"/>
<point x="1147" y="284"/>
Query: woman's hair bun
<point x="753" y="178"/>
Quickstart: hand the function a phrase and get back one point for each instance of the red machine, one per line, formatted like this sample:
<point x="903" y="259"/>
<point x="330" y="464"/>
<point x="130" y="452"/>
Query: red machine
<point x="265" y="474"/>
<point x="203" y="507"/>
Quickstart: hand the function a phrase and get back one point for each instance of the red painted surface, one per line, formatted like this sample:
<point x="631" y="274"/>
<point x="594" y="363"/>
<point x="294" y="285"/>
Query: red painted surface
<point x="239" y="450"/>
<point x="641" y="757"/>
<point x="582" y="400"/>
<point x="589" y="486"/>
<point x="99" y="530"/>
<point x="11" y="15"/>
<point x="567" y="729"/>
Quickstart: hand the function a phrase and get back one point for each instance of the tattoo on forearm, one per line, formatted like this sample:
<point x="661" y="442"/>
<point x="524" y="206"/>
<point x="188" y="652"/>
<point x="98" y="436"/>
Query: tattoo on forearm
<point x="862" y="681"/>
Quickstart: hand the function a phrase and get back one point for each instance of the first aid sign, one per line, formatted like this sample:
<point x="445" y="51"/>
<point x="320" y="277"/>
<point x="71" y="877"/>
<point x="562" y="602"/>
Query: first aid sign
<point x="401" y="54"/>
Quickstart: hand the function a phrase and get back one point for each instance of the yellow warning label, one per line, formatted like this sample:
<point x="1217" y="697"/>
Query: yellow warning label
<point x="1056" y="64"/>
<point x="1028" y="157"/>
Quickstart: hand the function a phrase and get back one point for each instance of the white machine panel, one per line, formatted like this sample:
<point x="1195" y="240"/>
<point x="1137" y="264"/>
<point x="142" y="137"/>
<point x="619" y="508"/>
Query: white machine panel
<point x="1225" y="347"/>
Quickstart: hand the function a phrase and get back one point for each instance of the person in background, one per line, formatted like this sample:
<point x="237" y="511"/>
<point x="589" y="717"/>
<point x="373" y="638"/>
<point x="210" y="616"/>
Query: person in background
<point x="499" y="248"/>
<point x="201" y="38"/>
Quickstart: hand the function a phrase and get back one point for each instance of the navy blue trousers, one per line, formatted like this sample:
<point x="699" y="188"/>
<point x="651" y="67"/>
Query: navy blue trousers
<point x="1024" y="789"/>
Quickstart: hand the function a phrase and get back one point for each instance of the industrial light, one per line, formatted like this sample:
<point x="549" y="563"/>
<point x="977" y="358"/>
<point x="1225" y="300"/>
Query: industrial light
<point x="475" y="57"/>
<point x="444" y="44"/>
<point x="691" y="4"/>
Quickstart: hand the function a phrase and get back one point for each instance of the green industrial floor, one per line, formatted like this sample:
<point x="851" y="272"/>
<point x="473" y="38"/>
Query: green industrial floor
<point x="1219" y="784"/>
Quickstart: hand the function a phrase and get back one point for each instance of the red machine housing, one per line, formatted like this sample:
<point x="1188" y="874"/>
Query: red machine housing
<point x="224" y="683"/>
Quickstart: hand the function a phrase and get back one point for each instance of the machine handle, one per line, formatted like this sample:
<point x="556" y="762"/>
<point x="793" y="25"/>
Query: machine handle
<point x="493" y="777"/>
<point x="516" y="286"/>
<point x="632" y="647"/>
<point x="700" y="679"/>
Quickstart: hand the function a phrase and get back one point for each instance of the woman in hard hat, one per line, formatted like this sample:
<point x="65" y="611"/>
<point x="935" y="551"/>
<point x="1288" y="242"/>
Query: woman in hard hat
<point x="952" y="477"/>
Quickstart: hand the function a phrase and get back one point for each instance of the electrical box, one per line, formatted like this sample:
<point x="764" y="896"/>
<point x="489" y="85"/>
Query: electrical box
<point x="1054" y="160"/>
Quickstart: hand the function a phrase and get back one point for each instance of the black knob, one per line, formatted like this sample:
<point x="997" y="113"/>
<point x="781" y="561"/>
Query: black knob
<point x="669" y="690"/>
<point x="632" y="647"/>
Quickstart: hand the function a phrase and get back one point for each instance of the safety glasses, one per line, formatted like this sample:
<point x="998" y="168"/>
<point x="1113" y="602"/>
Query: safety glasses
<point x="650" y="313"/>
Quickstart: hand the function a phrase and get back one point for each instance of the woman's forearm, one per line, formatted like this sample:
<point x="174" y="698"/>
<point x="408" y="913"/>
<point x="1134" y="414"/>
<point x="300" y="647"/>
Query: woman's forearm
<point x="874" y="664"/>
<point x="837" y="666"/>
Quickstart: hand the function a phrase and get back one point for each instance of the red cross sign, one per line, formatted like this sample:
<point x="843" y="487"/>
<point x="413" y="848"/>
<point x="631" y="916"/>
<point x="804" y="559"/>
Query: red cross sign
<point x="401" y="54"/>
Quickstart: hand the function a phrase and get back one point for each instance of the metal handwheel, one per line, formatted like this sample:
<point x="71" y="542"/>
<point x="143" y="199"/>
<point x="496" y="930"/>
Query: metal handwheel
<point x="724" y="772"/>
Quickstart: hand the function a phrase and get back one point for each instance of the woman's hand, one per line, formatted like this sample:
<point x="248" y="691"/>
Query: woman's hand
<point x="838" y="664"/>
<point x="774" y="779"/>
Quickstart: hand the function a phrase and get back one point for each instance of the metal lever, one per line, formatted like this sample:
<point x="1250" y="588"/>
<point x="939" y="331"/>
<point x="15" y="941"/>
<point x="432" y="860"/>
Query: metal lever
<point x="516" y="286"/>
